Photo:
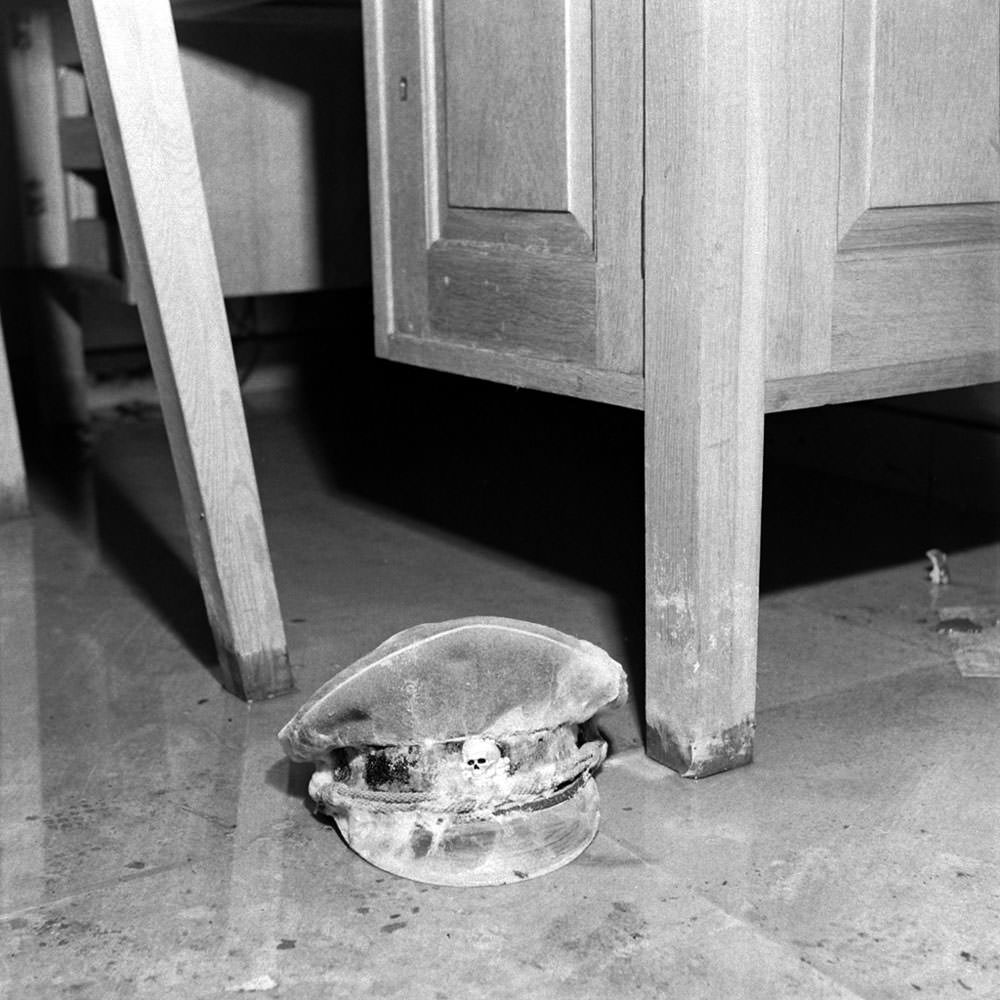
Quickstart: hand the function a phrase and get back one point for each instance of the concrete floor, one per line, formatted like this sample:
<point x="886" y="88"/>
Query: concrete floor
<point x="156" y="843"/>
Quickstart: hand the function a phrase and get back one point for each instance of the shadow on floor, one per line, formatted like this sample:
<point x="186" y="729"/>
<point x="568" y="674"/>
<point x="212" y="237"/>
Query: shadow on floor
<point x="66" y="470"/>
<point x="547" y="479"/>
<point x="559" y="482"/>
<point x="151" y="565"/>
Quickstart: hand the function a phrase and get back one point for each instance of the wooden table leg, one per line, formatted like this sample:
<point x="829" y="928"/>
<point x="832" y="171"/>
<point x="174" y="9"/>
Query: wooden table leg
<point x="56" y="339"/>
<point x="706" y="212"/>
<point x="130" y="59"/>
<point x="13" y="483"/>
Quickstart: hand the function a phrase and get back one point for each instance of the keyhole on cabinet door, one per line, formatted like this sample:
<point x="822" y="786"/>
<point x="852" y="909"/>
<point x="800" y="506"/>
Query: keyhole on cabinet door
<point x="403" y="88"/>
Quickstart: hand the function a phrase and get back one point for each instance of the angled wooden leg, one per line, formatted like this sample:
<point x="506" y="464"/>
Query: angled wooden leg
<point x="705" y="278"/>
<point x="130" y="59"/>
<point x="13" y="483"/>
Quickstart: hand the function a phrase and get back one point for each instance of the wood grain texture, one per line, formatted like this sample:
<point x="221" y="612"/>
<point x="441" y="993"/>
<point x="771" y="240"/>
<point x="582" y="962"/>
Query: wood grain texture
<point x="434" y="88"/>
<point x="921" y="105"/>
<point x="490" y="290"/>
<point x="228" y="112"/>
<point x="618" y="182"/>
<point x="276" y="108"/>
<point x="540" y="305"/>
<point x="130" y="57"/>
<point x="402" y="43"/>
<point x="936" y="107"/>
<point x="508" y="112"/>
<point x="548" y="233"/>
<point x="877" y="383"/>
<point x="520" y="370"/>
<point x="379" y="190"/>
<point x="578" y="54"/>
<point x="13" y="482"/>
<point x="707" y="93"/>
<point x="481" y="286"/>
<point x="920" y="227"/>
<point x="916" y="278"/>
<point x="915" y="306"/>
<point x="857" y="98"/>
<point x="802" y="123"/>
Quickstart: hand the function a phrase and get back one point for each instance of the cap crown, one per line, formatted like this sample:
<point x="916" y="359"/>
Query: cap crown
<point x="450" y="680"/>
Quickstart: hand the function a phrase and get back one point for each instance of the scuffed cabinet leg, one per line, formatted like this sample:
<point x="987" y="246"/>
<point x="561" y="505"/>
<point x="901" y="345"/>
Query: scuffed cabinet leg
<point x="130" y="58"/>
<point x="701" y="629"/>
<point x="705" y="320"/>
<point x="698" y="755"/>
<point x="702" y="557"/>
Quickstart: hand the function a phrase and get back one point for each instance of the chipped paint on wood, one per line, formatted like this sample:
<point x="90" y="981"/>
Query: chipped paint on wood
<point x="704" y="755"/>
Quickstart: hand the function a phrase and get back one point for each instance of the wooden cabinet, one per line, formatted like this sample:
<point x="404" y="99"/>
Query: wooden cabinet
<point x="897" y="264"/>
<point x="276" y="103"/>
<point x="507" y="151"/>
<point x="705" y="210"/>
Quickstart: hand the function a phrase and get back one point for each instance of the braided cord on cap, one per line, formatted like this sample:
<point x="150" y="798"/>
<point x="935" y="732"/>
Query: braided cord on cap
<point x="518" y="789"/>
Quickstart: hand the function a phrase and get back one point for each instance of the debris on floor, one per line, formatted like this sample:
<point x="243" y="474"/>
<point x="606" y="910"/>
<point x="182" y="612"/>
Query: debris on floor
<point x="974" y="632"/>
<point x="259" y="984"/>
<point x="958" y="626"/>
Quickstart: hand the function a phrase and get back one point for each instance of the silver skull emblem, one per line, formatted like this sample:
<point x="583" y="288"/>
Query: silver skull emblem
<point x="480" y="755"/>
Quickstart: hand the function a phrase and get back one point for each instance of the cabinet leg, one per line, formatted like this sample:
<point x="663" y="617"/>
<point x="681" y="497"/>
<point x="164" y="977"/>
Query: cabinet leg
<point x="131" y="62"/>
<point x="705" y="238"/>
<point x="13" y="483"/>
<point x="702" y="545"/>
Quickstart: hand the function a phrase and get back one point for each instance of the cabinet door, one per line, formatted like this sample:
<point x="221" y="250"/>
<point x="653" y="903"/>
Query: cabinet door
<point x="882" y="172"/>
<point x="505" y="148"/>
<point x="917" y="278"/>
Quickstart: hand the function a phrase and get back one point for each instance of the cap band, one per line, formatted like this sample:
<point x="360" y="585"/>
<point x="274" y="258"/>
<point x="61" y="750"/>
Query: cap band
<point x="519" y="789"/>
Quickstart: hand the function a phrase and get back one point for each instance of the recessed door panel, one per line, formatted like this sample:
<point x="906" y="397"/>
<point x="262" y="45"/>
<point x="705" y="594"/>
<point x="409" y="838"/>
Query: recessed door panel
<point x="509" y="101"/>
<point x="504" y="224"/>
<point x="935" y="138"/>
<point x="916" y="277"/>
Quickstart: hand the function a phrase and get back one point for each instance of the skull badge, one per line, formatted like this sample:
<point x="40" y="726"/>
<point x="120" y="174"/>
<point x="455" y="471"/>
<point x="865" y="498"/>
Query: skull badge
<point x="480" y="756"/>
